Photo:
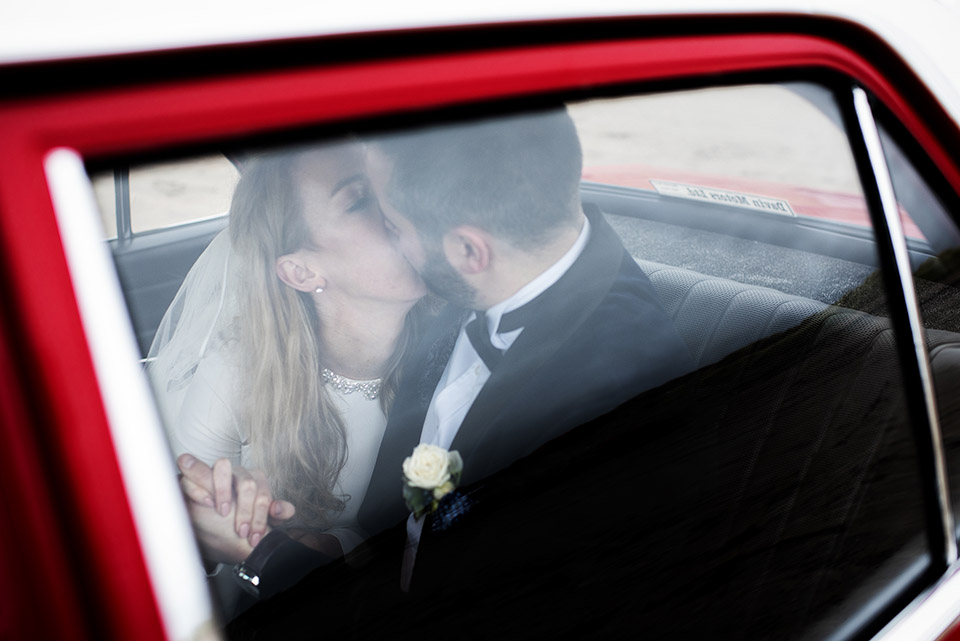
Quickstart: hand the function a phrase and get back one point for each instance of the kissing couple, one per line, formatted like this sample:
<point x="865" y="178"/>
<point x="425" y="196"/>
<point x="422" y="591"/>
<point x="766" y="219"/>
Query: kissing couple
<point x="547" y="323"/>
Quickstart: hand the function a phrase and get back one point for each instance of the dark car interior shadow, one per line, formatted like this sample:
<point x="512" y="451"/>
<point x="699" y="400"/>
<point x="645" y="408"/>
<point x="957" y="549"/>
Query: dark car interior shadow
<point x="754" y="498"/>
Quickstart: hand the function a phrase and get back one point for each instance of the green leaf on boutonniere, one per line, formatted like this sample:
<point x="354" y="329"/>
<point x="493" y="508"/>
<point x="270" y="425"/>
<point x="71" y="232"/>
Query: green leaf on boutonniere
<point x="417" y="499"/>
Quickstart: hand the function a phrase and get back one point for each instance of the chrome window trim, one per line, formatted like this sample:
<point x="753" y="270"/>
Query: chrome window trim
<point x="932" y="612"/>
<point x="149" y="475"/>
<point x="199" y="219"/>
<point x="121" y="188"/>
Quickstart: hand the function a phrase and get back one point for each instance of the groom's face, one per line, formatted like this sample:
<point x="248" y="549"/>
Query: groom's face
<point x="427" y="258"/>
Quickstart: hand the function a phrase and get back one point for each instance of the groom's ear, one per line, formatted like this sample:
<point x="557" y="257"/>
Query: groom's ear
<point x="468" y="249"/>
<point x="294" y="272"/>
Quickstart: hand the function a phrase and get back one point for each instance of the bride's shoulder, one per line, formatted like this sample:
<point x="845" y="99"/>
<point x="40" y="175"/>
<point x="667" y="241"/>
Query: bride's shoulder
<point x="218" y="378"/>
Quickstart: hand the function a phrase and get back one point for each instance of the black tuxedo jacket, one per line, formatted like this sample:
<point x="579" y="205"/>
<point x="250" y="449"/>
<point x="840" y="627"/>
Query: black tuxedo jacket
<point x="599" y="338"/>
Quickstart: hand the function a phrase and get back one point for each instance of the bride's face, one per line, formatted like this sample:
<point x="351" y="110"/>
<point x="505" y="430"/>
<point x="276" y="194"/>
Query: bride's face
<point x="351" y="251"/>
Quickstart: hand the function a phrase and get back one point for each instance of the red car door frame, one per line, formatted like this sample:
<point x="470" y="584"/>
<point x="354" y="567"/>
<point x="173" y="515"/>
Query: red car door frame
<point x="71" y="540"/>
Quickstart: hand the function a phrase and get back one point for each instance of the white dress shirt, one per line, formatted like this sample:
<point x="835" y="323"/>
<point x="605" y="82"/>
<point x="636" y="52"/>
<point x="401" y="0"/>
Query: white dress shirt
<point x="465" y="373"/>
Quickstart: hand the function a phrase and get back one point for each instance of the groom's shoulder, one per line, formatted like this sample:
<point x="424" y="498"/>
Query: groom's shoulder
<point x="631" y="298"/>
<point x="631" y="325"/>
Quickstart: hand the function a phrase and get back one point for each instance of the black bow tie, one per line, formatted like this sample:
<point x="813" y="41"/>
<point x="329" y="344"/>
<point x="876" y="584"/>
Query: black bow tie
<point x="480" y="338"/>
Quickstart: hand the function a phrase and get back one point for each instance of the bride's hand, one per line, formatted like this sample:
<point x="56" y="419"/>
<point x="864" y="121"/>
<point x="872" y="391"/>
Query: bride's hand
<point x="214" y="488"/>
<point x="218" y="540"/>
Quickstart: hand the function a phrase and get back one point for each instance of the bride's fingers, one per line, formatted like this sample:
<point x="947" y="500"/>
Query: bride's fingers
<point x="246" y="496"/>
<point x="281" y="510"/>
<point x="198" y="472"/>
<point x="196" y="493"/>
<point x="261" y="505"/>
<point x="223" y="485"/>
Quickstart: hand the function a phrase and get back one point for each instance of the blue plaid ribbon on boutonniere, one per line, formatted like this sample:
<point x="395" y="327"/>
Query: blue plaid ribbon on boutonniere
<point x="430" y="478"/>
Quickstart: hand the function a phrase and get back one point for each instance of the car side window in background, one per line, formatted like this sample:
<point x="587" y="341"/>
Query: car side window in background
<point x="723" y="158"/>
<point x="168" y="194"/>
<point x="105" y="190"/>
<point x="168" y="212"/>
<point x="700" y="425"/>
<point x="784" y="141"/>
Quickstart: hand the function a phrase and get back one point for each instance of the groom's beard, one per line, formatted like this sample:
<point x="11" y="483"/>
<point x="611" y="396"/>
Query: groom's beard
<point x="446" y="282"/>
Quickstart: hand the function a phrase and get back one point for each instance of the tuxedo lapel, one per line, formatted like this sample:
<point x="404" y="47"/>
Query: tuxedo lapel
<point x="383" y="505"/>
<point x="561" y="310"/>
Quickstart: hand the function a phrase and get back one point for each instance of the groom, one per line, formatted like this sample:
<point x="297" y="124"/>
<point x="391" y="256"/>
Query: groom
<point x="550" y="324"/>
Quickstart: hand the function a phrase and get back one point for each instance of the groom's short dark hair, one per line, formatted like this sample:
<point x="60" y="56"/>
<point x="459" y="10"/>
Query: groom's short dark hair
<point x="517" y="176"/>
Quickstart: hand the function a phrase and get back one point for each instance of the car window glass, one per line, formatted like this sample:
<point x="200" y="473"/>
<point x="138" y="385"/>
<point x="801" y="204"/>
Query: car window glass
<point x="169" y="193"/>
<point x="935" y="279"/>
<point x="779" y="148"/>
<point x="105" y="190"/>
<point x="667" y="371"/>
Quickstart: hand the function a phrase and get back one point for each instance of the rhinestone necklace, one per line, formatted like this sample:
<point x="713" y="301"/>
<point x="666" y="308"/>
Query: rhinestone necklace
<point x="369" y="389"/>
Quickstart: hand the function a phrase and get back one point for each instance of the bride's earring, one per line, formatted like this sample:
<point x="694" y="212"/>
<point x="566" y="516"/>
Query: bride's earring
<point x="318" y="290"/>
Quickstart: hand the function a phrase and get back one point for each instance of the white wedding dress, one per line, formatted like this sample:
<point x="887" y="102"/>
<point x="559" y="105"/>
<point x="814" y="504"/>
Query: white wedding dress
<point x="197" y="382"/>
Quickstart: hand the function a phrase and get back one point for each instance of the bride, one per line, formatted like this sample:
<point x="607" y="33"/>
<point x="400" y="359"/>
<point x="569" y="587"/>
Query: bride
<point x="277" y="361"/>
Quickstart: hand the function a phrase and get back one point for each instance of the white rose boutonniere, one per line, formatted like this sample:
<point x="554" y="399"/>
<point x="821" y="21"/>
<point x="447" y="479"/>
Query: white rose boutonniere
<point x="430" y="474"/>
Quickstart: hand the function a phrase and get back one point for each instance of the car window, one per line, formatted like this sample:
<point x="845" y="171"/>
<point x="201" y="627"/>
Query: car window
<point x="666" y="370"/>
<point x="935" y="280"/>
<point x="780" y="149"/>
<point x="166" y="194"/>
<point x="104" y="186"/>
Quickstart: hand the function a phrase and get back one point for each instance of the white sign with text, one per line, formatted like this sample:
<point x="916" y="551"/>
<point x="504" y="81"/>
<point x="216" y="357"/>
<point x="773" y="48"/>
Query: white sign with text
<point x="723" y="197"/>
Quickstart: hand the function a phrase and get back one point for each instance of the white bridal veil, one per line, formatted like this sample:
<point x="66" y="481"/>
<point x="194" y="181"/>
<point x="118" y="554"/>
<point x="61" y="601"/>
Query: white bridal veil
<point x="202" y="316"/>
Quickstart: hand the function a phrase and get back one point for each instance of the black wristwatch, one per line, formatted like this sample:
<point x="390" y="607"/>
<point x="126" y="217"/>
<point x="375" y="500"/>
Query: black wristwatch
<point x="289" y="561"/>
<point x="249" y="571"/>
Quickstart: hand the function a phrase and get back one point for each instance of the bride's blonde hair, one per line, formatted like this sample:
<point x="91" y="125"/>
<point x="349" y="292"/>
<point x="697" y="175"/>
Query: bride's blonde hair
<point x="296" y="435"/>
